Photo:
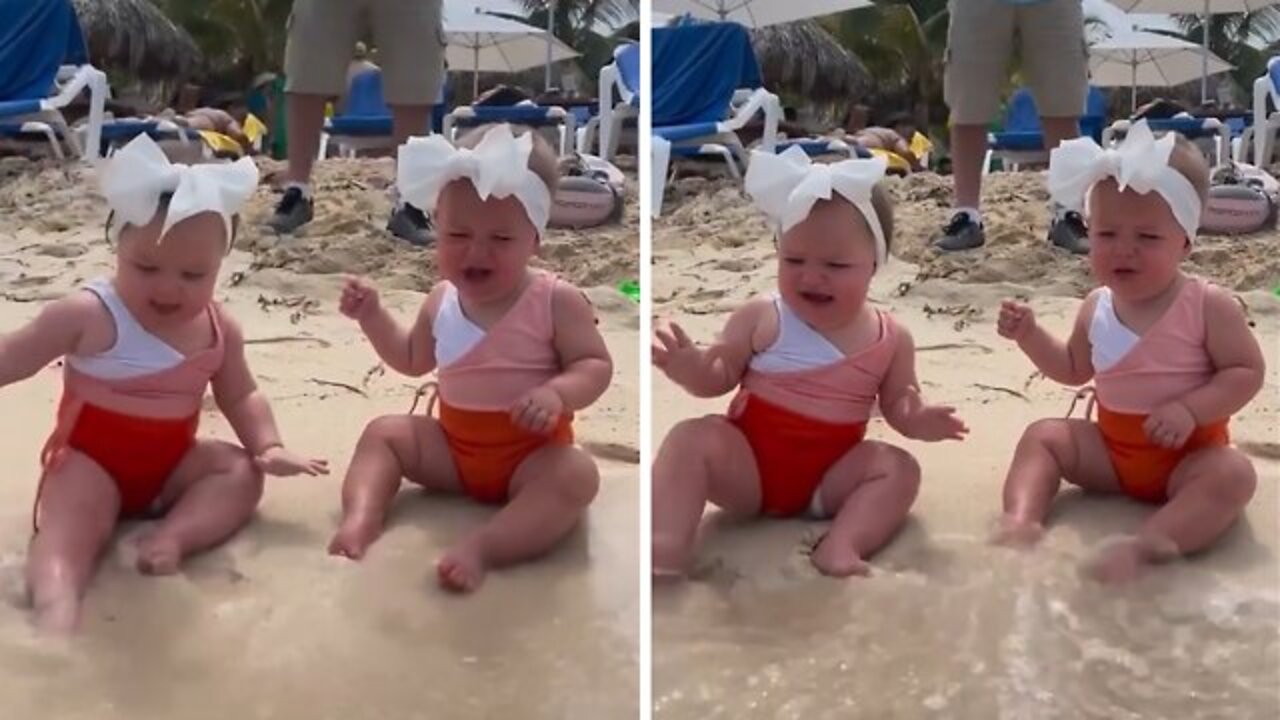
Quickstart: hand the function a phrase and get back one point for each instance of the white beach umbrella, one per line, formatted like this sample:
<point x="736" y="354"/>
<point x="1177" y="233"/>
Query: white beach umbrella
<point x="756" y="13"/>
<point x="482" y="42"/>
<point x="1203" y="8"/>
<point x="1142" y="59"/>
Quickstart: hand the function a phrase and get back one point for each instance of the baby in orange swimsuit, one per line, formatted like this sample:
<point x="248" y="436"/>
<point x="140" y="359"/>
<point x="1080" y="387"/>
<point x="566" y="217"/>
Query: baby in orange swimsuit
<point x="516" y="352"/>
<point x="140" y="350"/>
<point x="809" y="362"/>
<point x="1171" y="358"/>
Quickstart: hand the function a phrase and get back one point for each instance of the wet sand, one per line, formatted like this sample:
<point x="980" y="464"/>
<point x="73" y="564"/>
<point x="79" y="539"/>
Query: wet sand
<point x="948" y="626"/>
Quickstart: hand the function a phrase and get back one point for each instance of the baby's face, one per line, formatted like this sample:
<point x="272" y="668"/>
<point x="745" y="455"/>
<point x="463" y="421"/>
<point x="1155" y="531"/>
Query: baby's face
<point x="825" y="265"/>
<point x="1135" y="243"/>
<point x="169" y="282"/>
<point x="483" y="247"/>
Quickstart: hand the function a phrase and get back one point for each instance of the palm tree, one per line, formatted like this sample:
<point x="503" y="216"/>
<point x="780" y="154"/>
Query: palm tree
<point x="574" y="23"/>
<point x="902" y="44"/>
<point x="239" y="38"/>
<point x="1246" y="40"/>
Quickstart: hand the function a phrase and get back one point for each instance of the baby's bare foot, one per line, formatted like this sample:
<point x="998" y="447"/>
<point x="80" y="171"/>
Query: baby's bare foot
<point x="1013" y="532"/>
<point x="58" y="614"/>
<point x="462" y="568"/>
<point x="354" y="537"/>
<point x="838" y="559"/>
<point x="1125" y="558"/>
<point x="159" y="554"/>
<point x="670" y="559"/>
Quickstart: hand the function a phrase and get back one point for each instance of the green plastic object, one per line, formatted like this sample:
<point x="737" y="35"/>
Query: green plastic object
<point x="631" y="289"/>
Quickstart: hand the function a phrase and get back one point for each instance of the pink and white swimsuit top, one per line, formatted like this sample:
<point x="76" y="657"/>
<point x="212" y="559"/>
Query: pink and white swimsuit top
<point x="489" y="370"/>
<point x="806" y="373"/>
<point x="1135" y="374"/>
<point x="140" y="374"/>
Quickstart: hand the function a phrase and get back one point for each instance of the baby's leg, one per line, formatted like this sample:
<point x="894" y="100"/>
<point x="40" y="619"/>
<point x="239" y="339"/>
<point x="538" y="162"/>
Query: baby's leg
<point x="210" y="495"/>
<point x="549" y="492"/>
<point x="391" y="447"/>
<point x="702" y="459"/>
<point x="79" y="505"/>
<point x="1207" y="494"/>
<point x="1050" y="450"/>
<point x="871" y="488"/>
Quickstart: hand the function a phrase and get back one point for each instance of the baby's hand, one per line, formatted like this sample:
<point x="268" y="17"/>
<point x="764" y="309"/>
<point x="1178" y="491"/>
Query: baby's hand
<point x="1016" y="320"/>
<point x="538" y="411"/>
<point x="675" y="354"/>
<point x="938" y="422"/>
<point x="279" y="462"/>
<point x="359" y="299"/>
<point x="1170" y="425"/>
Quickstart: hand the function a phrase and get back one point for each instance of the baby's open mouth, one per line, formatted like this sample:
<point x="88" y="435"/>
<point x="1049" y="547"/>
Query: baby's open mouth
<point x="165" y="308"/>
<point x="476" y="274"/>
<point x="816" y="298"/>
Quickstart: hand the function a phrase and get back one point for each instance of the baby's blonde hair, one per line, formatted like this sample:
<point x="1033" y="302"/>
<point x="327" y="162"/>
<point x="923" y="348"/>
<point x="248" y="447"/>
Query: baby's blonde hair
<point x="1191" y="164"/>
<point x="543" y="160"/>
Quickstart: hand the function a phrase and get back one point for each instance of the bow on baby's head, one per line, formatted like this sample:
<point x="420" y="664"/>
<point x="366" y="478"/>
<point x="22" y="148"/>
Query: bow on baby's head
<point x="498" y="167"/>
<point x="134" y="179"/>
<point x="785" y="187"/>
<point x="1141" y="162"/>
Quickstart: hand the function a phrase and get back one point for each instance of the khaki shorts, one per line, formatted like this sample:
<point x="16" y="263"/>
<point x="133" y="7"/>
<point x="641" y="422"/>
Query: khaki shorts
<point x="409" y="36"/>
<point x="980" y="46"/>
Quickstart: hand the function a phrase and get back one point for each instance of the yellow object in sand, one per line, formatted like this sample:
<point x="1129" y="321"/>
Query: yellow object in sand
<point x="921" y="146"/>
<point x="225" y="145"/>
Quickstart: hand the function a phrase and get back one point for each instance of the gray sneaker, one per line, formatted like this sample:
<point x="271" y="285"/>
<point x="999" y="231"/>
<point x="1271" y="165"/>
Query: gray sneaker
<point x="962" y="233"/>
<point x="294" y="211"/>
<point x="411" y="225"/>
<point x="1068" y="232"/>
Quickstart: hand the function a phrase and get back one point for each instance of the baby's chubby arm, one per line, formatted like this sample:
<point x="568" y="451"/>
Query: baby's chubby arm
<point x="61" y="328"/>
<point x="904" y="408"/>
<point x="587" y="366"/>
<point x="714" y="370"/>
<point x="248" y="411"/>
<point x="1069" y="363"/>
<point x="409" y="351"/>
<point x="1238" y="360"/>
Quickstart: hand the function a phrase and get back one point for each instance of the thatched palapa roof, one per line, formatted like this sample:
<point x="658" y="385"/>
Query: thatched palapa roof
<point x="136" y="36"/>
<point x="804" y="58"/>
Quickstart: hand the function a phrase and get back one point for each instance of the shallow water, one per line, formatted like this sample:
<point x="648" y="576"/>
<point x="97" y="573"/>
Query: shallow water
<point x="952" y="628"/>
<point x="271" y="627"/>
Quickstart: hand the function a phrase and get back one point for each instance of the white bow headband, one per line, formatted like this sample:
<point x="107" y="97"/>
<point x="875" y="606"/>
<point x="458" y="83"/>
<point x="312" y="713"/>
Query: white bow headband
<point x="786" y="186"/>
<point x="498" y="167"/>
<point x="134" y="179"/>
<point x="1140" y="162"/>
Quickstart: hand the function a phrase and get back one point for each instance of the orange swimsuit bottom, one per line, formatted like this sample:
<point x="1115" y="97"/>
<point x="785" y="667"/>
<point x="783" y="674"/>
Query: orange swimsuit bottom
<point x="1142" y="467"/>
<point x="139" y="453"/>
<point x="487" y="447"/>
<point x="793" y="452"/>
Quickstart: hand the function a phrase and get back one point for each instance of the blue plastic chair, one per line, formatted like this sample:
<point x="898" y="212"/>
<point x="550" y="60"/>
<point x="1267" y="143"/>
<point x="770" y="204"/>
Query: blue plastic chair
<point x="1022" y="139"/>
<point x="43" y="68"/>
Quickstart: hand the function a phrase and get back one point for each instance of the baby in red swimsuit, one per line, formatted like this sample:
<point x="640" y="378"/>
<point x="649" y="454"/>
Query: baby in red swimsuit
<point x="1171" y="358"/>
<point x="140" y="350"/>
<point x="516" y="352"/>
<point x="809" y="362"/>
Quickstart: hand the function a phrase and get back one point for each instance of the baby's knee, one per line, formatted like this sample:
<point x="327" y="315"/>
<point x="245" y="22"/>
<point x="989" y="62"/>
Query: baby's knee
<point x="903" y="468"/>
<point x="239" y="469"/>
<point x="1234" y="480"/>
<point x="579" y="478"/>
<point x="384" y="428"/>
<point x="699" y="435"/>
